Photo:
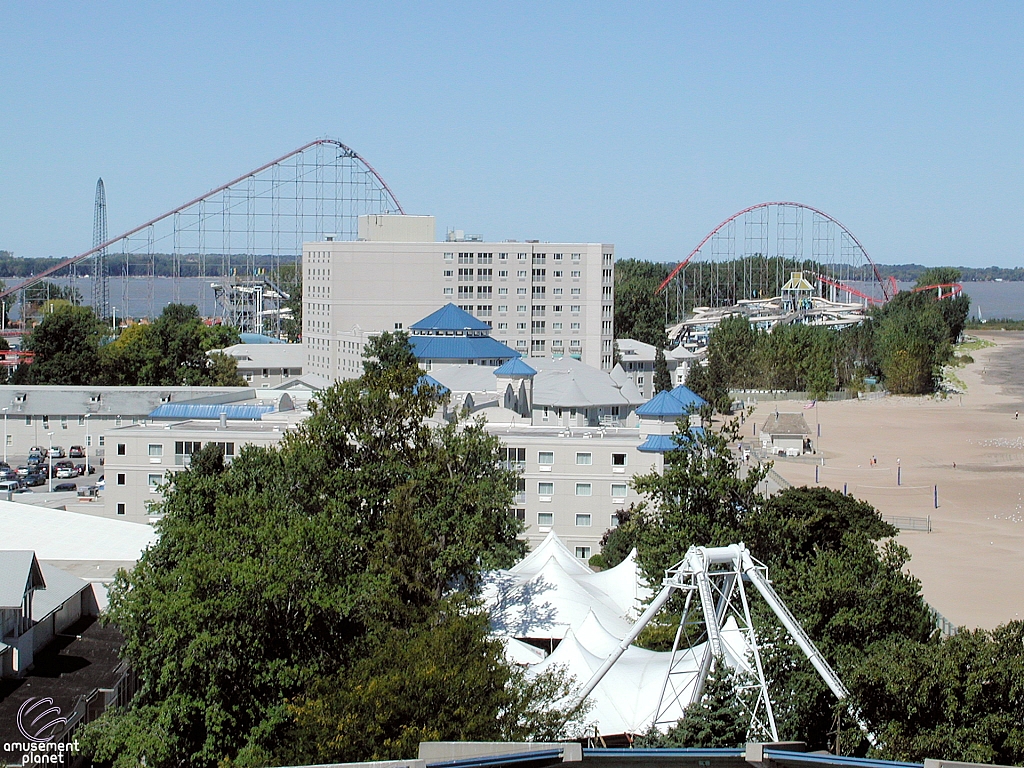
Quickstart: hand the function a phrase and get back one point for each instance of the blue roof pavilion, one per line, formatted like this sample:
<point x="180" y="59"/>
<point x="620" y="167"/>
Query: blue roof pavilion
<point x="452" y="335"/>
<point x="515" y="367"/>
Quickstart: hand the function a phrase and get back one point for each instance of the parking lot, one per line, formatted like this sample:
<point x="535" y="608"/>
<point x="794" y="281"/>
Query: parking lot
<point x="39" y="482"/>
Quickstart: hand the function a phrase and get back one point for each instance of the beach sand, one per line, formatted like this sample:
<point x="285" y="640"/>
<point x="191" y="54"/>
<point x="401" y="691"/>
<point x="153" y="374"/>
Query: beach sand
<point x="971" y="565"/>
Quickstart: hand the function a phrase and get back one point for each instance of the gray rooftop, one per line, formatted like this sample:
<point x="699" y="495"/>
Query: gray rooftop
<point x="786" y="424"/>
<point x="19" y="571"/>
<point x="107" y="401"/>
<point x="267" y="355"/>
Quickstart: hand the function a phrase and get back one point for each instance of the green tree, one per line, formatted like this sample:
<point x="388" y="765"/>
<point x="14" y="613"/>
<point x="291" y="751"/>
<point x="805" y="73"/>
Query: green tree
<point x="912" y="342"/>
<point x="172" y="351"/>
<point x="699" y="499"/>
<point x="662" y="378"/>
<point x="293" y="564"/>
<point x="960" y="699"/>
<point x="639" y="314"/>
<point x="720" y="719"/>
<point x="954" y="310"/>
<point x="66" y="347"/>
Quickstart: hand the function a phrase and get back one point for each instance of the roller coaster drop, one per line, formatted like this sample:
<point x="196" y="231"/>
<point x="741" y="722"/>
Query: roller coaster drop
<point x="315" y="191"/>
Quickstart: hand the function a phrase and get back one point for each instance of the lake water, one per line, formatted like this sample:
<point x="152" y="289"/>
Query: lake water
<point x="991" y="299"/>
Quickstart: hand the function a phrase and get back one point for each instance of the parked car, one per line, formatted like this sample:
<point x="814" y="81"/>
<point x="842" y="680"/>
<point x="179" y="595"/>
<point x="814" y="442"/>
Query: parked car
<point x="83" y="470"/>
<point x="35" y="458"/>
<point x="23" y="470"/>
<point x="76" y="452"/>
<point x="61" y="487"/>
<point x="38" y="450"/>
<point x="64" y="469"/>
<point x="101" y="483"/>
<point x="22" y="489"/>
<point x="33" y="479"/>
<point x="9" y="486"/>
<point x="8" y="474"/>
<point x="57" y="452"/>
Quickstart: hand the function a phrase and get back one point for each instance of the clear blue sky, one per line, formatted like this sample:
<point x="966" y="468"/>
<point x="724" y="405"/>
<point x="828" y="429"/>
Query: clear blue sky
<point x="642" y="125"/>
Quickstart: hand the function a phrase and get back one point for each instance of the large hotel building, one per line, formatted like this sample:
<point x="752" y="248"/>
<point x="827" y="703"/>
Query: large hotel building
<point x="541" y="299"/>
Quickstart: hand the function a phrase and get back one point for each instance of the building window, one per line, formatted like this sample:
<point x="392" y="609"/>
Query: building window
<point x="449" y="273"/>
<point x="121" y="449"/>
<point x="583" y="489"/>
<point x="28" y="421"/>
<point x="103" y="440"/>
<point x="537" y="326"/>
<point x="557" y="308"/>
<point x="10" y="440"/>
<point x="575" y="273"/>
<point x="574" y="291"/>
<point x="520" y="326"/>
<point x="539" y="291"/>
<point x="546" y="457"/>
<point x="583" y="519"/>
<point x="449" y="256"/>
<point x="154" y="481"/>
<point x="520" y="515"/>
<point x="557" y="273"/>
<point x="521" y="256"/>
<point x="619" y="490"/>
<point x="46" y="422"/>
<point x="447" y="292"/>
<point x="618" y="459"/>
<point x="639" y="381"/>
<point x="520" y="291"/>
<point x="502" y="273"/>
<point x="574" y="326"/>
<point x="120" y="478"/>
<point x="465" y="290"/>
<point x="502" y="326"/>
<point x="584" y="459"/>
<point x="515" y="458"/>
<point x="583" y="553"/>
<point x="520" y="307"/>
<point x="63" y="422"/>
<point x="183" y="448"/>
<point x="81" y="421"/>
<point x="545" y="489"/>
<point x="484" y="275"/>
<point x="574" y="308"/>
<point x="120" y="508"/>
<point x="156" y="449"/>
<point x="556" y="291"/>
<point x="521" y="273"/>
<point x="545" y="519"/>
<point x="537" y="345"/>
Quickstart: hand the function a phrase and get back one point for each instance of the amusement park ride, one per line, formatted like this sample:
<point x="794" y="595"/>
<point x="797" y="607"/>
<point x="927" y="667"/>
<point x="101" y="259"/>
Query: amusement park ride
<point x="764" y="264"/>
<point x="232" y="239"/>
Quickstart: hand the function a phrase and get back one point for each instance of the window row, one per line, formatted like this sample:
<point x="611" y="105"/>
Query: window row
<point x="546" y="489"/>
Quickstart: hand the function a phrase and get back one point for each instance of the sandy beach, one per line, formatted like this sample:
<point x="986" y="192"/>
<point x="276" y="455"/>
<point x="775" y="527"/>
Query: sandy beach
<point x="971" y="447"/>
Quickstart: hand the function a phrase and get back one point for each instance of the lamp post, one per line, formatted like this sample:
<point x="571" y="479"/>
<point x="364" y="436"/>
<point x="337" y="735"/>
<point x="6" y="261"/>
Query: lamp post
<point x="87" y="441"/>
<point x="49" y="461"/>
<point x="5" y="435"/>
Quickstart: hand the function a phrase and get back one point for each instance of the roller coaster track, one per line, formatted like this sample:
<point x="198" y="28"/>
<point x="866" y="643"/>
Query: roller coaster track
<point x="66" y="263"/>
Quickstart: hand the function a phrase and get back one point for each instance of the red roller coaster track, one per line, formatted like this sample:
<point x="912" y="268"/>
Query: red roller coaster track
<point x="887" y="291"/>
<point x="92" y="251"/>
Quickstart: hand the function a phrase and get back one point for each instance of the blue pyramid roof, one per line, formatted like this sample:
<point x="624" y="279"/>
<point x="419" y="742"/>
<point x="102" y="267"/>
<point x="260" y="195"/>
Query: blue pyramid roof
<point x="688" y="397"/>
<point x="450" y="318"/>
<point x="457" y="348"/>
<point x="515" y="367"/>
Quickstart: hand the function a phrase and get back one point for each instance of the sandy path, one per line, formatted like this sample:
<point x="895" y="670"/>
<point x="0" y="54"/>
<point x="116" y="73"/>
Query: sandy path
<point x="972" y="563"/>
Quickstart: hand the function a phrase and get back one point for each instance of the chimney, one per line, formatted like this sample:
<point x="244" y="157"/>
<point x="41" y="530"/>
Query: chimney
<point x="223" y="419"/>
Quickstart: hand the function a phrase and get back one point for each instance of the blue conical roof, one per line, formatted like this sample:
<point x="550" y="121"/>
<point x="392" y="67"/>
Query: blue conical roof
<point x="450" y="318"/>
<point x="688" y="397"/>
<point x="515" y="367"/>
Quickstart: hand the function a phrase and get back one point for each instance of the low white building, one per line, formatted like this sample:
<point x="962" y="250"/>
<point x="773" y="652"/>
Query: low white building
<point x="786" y="434"/>
<point x="267" y="365"/>
<point x="37" y="602"/>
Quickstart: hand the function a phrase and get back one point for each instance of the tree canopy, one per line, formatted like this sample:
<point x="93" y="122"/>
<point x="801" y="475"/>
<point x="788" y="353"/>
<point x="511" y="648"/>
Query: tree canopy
<point x="72" y="348"/>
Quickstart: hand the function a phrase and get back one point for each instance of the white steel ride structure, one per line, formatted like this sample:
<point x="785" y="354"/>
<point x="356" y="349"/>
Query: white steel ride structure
<point x="717" y="578"/>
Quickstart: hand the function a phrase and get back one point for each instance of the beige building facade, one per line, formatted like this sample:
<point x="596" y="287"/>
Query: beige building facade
<point x="541" y="299"/>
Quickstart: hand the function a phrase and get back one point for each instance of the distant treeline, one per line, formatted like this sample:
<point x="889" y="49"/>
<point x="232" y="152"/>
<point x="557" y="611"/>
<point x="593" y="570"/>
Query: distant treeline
<point x="911" y="272"/>
<point x="163" y="264"/>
